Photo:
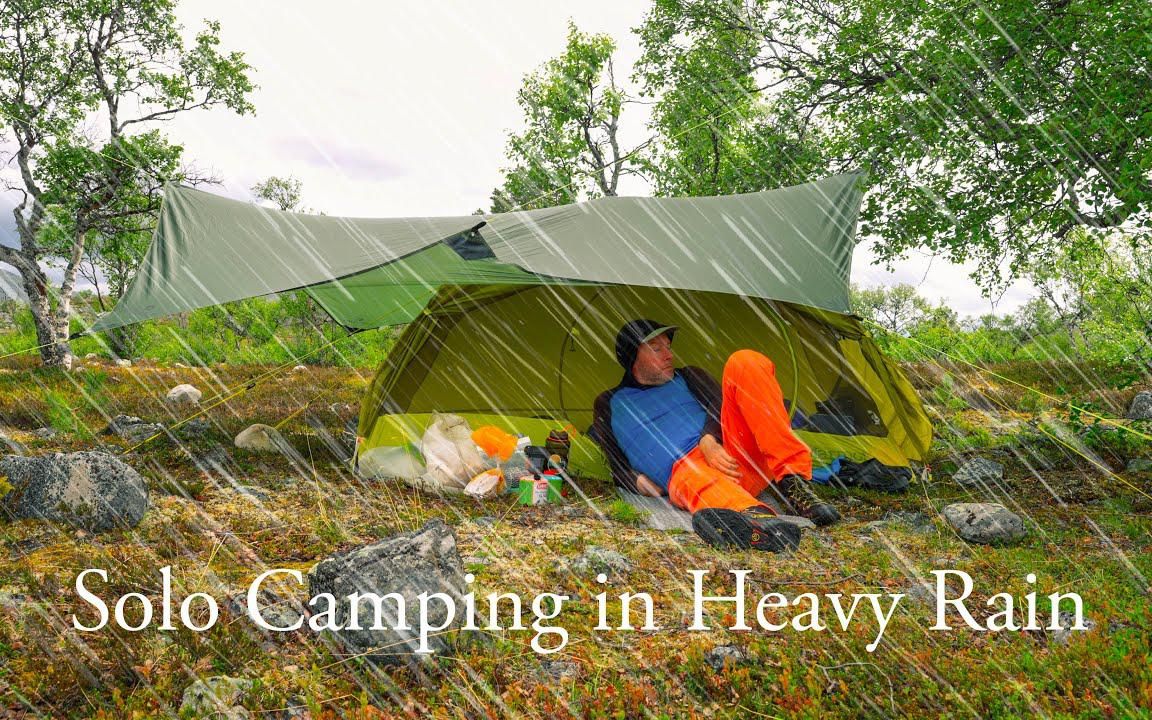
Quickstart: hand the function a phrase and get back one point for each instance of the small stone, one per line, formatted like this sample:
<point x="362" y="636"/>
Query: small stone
<point x="979" y="471"/>
<point x="183" y="394"/>
<point x="45" y="433"/>
<point x="1141" y="407"/>
<point x="260" y="438"/>
<point x="253" y="492"/>
<point x="122" y="363"/>
<point x="1068" y="629"/>
<point x="560" y="669"/>
<point x="918" y="521"/>
<point x="91" y="356"/>
<point x="984" y="523"/>
<point x="133" y="429"/>
<point x="1139" y="465"/>
<point x="474" y="560"/>
<point x="194" y="428"/>
<point x="484" y="521"/>
<point x="217" y="697"/>
<point x="596" y="560"/>
<point x="299" y="368"/>
<point x="722" y="655"/>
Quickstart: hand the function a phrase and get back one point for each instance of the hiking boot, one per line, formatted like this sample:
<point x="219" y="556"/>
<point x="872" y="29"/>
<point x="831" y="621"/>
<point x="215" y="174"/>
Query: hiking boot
<point x="723" y="528"/>
<point x="801" y="499"/>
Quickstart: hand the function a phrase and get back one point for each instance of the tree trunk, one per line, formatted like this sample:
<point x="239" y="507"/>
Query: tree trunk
<point x="53" y="346"/>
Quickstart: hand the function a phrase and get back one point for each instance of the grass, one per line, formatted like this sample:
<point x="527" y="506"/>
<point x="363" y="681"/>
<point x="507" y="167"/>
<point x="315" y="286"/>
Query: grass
<point x="1089" y="532"/>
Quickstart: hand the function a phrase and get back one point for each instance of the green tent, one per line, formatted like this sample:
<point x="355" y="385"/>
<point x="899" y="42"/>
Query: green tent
<point x="511" y="317"/>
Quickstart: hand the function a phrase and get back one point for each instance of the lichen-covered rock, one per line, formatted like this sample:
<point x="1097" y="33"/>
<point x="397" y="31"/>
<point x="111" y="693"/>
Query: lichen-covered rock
<point x="133" y="429"/>
<point x="1138" y="465"/>
<point x="425" y="561"/>
<point x="595" y="560"/>
<point x="1141" y="407"/>
<point x="93" y="491"/>
<point x="979" y="471"/>
<point x="984" y="523"/>
<point x="216" y="697"/>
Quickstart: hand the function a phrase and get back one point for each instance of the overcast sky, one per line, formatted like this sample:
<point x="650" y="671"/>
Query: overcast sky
<point x="402" y="108"/>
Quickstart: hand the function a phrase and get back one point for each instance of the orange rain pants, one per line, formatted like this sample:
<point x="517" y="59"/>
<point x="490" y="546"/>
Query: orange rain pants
<point x="757" y="433"/>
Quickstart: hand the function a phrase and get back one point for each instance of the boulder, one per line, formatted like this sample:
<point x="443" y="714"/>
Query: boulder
<point x="133" y="429"/>
<point x="985" y="523"/>
<point x="183" y="394"/>
<point x="979" y="471"/>
<point x="216" y="697"/>
<point x="425" y="561"/>
<point x="1141" y="407"/>
<point x="260" y="438"/>
<point x="93" y="491"/>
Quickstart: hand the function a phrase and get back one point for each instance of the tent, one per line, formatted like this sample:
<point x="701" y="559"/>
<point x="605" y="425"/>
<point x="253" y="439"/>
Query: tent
<point x="510" y="318"/>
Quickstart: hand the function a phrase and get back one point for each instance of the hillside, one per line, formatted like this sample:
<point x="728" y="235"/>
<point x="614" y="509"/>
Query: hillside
<point x="220" y="515"/>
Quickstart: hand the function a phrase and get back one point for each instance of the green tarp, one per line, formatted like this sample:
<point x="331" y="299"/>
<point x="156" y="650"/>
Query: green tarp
<point x="793" y="244"/>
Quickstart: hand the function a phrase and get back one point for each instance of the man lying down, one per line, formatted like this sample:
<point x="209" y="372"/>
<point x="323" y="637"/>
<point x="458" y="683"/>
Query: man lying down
<point x="710" y="447"/>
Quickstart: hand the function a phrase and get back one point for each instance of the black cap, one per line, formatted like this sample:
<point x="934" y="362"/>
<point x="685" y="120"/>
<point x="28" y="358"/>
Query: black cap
<point x="636" y="333"/>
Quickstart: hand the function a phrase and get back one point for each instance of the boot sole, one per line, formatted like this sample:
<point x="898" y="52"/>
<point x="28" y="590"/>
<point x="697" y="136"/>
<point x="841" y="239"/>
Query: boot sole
<point x="723" y="528"/>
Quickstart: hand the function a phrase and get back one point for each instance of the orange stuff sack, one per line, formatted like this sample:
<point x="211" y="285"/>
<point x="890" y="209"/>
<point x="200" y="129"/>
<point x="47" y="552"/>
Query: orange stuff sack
<point x="494" y="442"/>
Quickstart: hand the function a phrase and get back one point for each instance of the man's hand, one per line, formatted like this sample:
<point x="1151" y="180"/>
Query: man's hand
<point x="647" y="487"/>
<point x="719" y="458"/>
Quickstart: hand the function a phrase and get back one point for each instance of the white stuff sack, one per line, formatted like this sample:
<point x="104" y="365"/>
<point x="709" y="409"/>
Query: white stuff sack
<point x="390" y="462"/>
<point x="452" y="459"/>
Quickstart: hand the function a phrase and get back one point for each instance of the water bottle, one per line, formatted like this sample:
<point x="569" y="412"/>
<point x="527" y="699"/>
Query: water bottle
<point x="517" y="466"/>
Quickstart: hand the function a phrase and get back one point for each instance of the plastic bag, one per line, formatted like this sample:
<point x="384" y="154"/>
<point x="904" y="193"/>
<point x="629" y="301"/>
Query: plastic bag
<point x="450" y="455"/>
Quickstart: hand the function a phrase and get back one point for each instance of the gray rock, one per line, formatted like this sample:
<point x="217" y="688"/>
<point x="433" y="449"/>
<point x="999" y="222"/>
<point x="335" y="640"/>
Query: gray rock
<point x="979" y="471"/>
<point x="1141" y="407"/>
<point x="425" y="561"/>
<point x="253" y="492"/>
<point x="985" y="523"/>
<point x="183" y="394"/>
<point x="595" y="560"/>
<point x="45" y="433"/>
<point x="133" y="429"/>
<point x="89" y="490"/>
<point x="918" y="521"/>
<point x="216" y="697"/>
<point x="1068" y="628"/>
<point x="275" y="611"/>
<point x="194" y="429"/>
<point x="124" y="363"/>
<point x="1139" y="465"/>
<point x="722" y="655"/>
<point x="560" y="669"/>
